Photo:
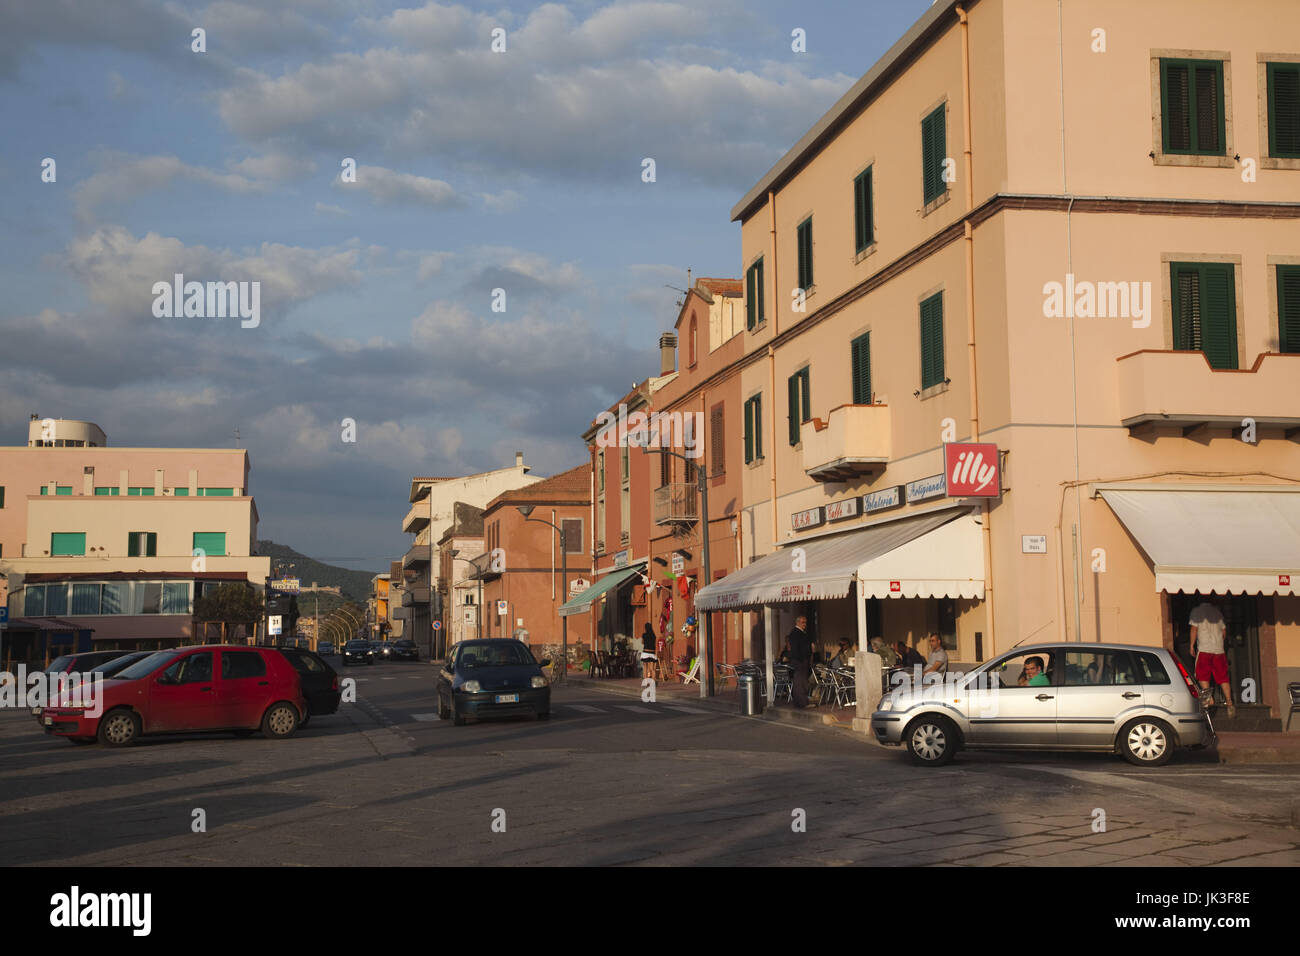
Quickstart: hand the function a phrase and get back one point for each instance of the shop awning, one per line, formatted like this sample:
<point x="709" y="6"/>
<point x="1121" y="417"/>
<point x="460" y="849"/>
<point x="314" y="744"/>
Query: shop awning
<point x="1225" y="541"/>
<point x="893" y="559"/>
<point x="581" y="603"/>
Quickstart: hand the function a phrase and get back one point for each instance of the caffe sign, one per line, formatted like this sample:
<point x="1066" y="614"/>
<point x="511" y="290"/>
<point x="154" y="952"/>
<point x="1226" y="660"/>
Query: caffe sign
<point x="838" y="510"/>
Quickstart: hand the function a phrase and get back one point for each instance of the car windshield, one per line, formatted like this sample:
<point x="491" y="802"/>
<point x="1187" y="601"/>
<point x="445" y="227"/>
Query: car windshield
<point x="358" y="645"/>
<point x="113" y="667"/>
<point x="146" y="666"/>
<point x="507" y="654"/>
<point x="59" y="664"/>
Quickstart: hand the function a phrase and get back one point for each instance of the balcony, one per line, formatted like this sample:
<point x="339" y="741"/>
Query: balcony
<point x="1180" y="390"/>
<point x="418" y="555"/>
<point x="413" y="596"/>
<point x="853" y="441"/>
<point x="417" y="518"/>
<point x="675" y="504"/>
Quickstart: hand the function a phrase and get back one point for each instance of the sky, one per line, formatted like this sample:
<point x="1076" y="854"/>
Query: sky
<point x="516" y="169"/>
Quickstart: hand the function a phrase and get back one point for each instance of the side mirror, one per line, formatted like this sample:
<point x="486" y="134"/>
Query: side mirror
<point x="451" y="668"/>
<point x="546" y="662"/>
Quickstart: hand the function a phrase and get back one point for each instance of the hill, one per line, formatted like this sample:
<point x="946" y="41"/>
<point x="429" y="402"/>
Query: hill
<point x="354" y="584"/>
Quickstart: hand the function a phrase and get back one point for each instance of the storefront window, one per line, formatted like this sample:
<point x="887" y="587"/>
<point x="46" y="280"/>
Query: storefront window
<point x="948" y="623"/>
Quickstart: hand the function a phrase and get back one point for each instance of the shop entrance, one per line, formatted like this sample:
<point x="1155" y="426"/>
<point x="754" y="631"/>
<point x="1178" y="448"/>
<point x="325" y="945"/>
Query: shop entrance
<point x="1241" y="643"/>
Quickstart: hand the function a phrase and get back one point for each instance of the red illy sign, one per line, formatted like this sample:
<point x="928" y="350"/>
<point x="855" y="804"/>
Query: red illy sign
<point x="972" y="470"/>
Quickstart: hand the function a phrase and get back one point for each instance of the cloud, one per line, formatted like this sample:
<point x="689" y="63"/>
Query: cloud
<point x="326" y="209"/>
<point x="392" y="188"/>
<point x="122" y="178"/>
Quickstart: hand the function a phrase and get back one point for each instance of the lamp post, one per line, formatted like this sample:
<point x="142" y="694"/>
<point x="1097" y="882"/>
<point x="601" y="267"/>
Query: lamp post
<point x="479" y="614"/>
<point x="527" y="510"/>
<point x="702" y="484"/>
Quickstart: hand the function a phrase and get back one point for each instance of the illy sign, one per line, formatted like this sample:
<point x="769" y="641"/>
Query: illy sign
<point x="972" y="470"/>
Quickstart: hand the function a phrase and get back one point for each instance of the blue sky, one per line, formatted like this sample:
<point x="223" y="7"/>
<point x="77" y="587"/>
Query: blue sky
<point x="477" y="170"/>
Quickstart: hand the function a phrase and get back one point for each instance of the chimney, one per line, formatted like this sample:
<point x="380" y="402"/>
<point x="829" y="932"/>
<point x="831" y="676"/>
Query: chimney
<point x="667" y="353"/>
<point x="519" y="459"/>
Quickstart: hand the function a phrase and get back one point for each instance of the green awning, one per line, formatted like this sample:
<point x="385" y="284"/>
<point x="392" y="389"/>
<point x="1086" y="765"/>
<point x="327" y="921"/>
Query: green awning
<point x="581" y="603"/>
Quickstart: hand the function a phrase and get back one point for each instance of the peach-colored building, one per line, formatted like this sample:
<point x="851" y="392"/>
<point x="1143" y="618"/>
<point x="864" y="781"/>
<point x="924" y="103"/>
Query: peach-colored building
<point x="1077" y="240"/>
<point x="113" y="545"/>
<point x="462" y="590"/>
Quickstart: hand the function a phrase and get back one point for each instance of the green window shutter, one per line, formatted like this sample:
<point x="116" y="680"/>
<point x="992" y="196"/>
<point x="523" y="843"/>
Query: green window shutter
<point x="1209" y="108"/>
<point x="758" y="288"/>
<point x="749" y="431"/>
<point x="792" y="388"/>
<point x="1288" y="308"/>
<point x="66" y="543"/>
<point x="934" y="146"/>
<point x="2" y="497"/>
<point x="1191" y="107"/>
<point x="1284" y="109"/>
<point x="932" y="366"/>
<point x="1205" y="311"/>
<point x="803" y="235"/>
<point x="860" y="361"/>
<point x="217" y="492"/>
<point x="181" y="492"/>
<point x="142" y="544"/>
<point x="63" y="490"/>
<point x="754" y="295"/>
<point x="1175" y="106"/>
<point x="758" y="427"/>
<point x="863" y="227"/>
<point x="211" y="543"/>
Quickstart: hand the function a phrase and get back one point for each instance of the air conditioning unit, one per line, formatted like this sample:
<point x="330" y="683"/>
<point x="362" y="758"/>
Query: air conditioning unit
<point x="167" y="492"/>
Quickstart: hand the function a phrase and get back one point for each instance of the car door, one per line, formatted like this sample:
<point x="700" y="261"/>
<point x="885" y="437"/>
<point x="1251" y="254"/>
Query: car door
<point x="1098" y="690"/>
<point x="1003" y="713"/>
<point x="245" y="688"/>
<point x="183" y="696"/>
<point x="445" y="676"/>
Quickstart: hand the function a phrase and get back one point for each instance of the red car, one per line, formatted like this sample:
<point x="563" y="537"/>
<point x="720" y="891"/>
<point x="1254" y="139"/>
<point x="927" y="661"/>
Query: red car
<point x="210" y="687"/>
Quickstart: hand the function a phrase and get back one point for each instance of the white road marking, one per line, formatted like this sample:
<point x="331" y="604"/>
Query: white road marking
<point x="585" y="708"/>
<point x="635" y="708"/>
<point x="687" y="710"/>
<point x="425" y="717"/>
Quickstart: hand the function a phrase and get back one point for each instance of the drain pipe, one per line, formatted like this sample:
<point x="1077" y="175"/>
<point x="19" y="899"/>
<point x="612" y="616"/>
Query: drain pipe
<point x="968" y="236"/>
<point x="771" y="359"/>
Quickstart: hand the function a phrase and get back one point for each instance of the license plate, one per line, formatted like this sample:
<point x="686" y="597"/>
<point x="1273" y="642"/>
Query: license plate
<point x="49" y="721"/>
<point x="507" y="698"/>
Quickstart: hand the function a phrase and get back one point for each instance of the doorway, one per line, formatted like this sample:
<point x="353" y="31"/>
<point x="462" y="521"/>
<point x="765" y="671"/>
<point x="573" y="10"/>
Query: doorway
<point x="1240" y="643"/>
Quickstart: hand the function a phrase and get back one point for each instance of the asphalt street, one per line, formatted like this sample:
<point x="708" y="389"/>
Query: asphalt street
<point x="612" y="780"/>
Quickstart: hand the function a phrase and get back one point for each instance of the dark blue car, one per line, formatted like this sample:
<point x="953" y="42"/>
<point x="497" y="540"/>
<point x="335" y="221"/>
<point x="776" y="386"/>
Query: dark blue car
<point x="492" y="678"/>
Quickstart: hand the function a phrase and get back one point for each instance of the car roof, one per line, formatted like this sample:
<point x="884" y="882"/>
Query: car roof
<point x="1082" y="646"/>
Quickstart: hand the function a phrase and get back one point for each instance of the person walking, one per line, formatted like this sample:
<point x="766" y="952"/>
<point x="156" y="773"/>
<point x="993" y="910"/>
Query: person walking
<point x="1208" y="632"/>
<point x="800" y="644"/>
<point x="648" y="658"/>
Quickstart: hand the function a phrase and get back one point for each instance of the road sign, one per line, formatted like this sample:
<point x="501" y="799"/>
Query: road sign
<point x="502" y="608"/>
<point x="679" y="564"/>
<point x="578" y="585"/>
<point x="273" y="625"/>
<point x="437" y="625"/>
<point x="287" y="585"/>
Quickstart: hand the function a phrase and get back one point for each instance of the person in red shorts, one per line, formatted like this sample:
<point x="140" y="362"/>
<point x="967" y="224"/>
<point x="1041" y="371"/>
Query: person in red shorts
<point x="1208" y="631"/>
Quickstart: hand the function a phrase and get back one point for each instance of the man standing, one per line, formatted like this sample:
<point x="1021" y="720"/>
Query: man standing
<point x="938" y="662"/>
<point x="800" y="644"/>
<point x="1208" y="631"/>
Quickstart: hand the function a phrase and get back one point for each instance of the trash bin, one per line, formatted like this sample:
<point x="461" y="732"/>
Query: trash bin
<point x="751" y="699"/>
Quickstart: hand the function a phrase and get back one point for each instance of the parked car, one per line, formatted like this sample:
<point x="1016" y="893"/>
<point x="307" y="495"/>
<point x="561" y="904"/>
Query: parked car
<point x="325" y="648"/>
<point x="83" y="662"/>
<point x="104" y="670"/>
<point x="1134" y="700"/>
<point x="358" y="652"/>
<point x="405" y="651"/>
<point x="492" y="678"/>
<point x="204" y="688"/>
<point x="320" y="682"/>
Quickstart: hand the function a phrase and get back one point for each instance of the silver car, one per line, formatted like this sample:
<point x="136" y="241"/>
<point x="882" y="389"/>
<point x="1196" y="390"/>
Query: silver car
<point x="1135" y="700"/>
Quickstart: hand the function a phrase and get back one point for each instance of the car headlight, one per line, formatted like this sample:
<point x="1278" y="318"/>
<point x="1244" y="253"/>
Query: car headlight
<point x="470" y="687"/>
<point x="886" y="703"/>
<point x="539" y="681"/>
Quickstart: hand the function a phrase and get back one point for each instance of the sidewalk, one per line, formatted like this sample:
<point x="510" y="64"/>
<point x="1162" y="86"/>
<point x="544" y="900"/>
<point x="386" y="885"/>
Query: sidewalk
<point x="1233" y="748"/>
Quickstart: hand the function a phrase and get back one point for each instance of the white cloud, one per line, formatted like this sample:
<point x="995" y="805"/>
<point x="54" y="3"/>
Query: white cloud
<point x="330" y="210"/>
<point x="401" y="189"/>
<point x="122" y="177"/>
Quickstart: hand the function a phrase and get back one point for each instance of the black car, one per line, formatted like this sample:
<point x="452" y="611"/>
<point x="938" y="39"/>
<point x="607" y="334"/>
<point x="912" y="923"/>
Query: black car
<point x="492" y="678"/>
<point x="358" y="652"/>
<point x="84" y="663"/>
<point x="325" y="648"/>
<point x="405" y="651"/>
<point x="383" y="650"/>
<point x="320" y="682"/>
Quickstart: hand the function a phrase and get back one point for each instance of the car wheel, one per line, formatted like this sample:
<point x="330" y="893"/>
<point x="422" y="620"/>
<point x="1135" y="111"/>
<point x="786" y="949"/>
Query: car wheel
<point x="243" y="733"/>
<point x="1146" y="742"/>
<point x="444" y="712"/>
<point x="931" y="740"/>
<point x="119" y="728"/>
<point x="280" y="721"/>
<point x="456" y="718"/>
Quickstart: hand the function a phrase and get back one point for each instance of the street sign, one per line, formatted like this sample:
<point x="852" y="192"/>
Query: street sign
<point x="578" y="585"/>
<point x="679" y="564"/>
<point x="502" y="608"/>
<point x="287" y="585"/>
<point x="437" y="625"/>
<point x="1033" y="544"/>
<point x="273" y="625"/>
<point x="4" y="615"/>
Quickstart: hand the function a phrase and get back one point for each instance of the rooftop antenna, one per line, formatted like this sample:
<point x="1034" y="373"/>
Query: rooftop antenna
<point x="236" y="436"/>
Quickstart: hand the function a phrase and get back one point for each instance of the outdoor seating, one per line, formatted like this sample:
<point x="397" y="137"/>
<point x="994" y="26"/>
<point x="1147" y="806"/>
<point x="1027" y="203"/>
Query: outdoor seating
<point x="1294" y="690"/>
<point x="783" y="678"/>
<point x="845" y="682"/>
<point x="597" y="666"/>
<point x="692" y="675"/>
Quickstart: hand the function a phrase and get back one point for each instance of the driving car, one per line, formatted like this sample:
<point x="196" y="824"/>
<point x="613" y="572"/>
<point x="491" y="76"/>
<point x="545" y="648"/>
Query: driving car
<point x="358" y="652"/>
<point x="1135" y="700"/>
<point x="204" y="688"/>
<point x="492" y="678"/>
<point x="320" y="682"/>
<point x="404" y="650"/>
<point x="383" y="650"/>
<point x="325" y="648"/>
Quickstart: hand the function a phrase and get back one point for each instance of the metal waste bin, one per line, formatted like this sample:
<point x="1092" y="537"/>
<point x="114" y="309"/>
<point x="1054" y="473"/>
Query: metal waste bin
<point x="751" y="698"/>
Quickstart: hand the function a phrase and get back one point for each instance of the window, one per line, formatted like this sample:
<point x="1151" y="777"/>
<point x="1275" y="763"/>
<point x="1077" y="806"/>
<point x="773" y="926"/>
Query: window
<point x="2" y="497"/>
<point x="104" y="492"/>
<point x="753" y="428"/>
<point x="140" y="492"/>
<point x="113" y="598"/>
<point x="1205" y="311"/>
<point x="665" y="469"/>
<point x="803" y="238"/>
<point x="142" y="544"/>
<point x="934" y="149"/>
<point x="217" y="492"/>
<point x="65" y="543"/>
<point x="754" y="314"/>
<point x="572" y="535"/>
<point x="194" y="669"/>
<point x="600" y="471"/>
<point x="58" y="489"/>
<point x="56" y="600"/>
<point x="1191" y="107"/>
<point x="1108" y="668"/>
<point x="211" y="543"/>
<point x="85" y="598"/>
<point x="799" y="385"/>
<point x="180" y="492"/>
<point x="237" y="665"/>
<point x="1283" y="109"/>
<point x="860" y="366"/>
<point x="694" y="336"/>
<point x="932" y="370"/>
<point x="1149" y="668"/>
<point x="1288" y="308"/>
<point x="34" y="600"/>
<point x="864" y="228"/>
<point x="146" y="597"/>
<point x="625" y="466"/>
<point x="1013" y="673"/>
<point x="717" y="445"/>
<point x="176" y="597"/>
<point x="947" y="628"/>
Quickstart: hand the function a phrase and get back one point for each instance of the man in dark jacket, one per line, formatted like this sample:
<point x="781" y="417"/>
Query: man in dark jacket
<point x="800" y="644"/>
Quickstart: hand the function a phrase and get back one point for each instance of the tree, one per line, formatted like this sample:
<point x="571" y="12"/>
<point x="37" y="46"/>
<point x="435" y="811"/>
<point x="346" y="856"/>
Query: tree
<point x="229" y="604"/>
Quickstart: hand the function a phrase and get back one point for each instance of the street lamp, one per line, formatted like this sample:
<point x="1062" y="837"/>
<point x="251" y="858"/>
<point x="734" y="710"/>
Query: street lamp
<point x="527" y="510"/>
<point x="479" y="615"/>
<point x="702" y="478"/>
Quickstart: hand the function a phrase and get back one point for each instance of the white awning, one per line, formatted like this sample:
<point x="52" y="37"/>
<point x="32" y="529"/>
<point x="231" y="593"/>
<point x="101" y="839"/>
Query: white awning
<point x="1224" y="541"/>
<point x="824" y="568"/>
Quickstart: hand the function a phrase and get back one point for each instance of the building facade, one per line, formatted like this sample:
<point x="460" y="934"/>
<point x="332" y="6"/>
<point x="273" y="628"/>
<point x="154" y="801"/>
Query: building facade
<point x="462" y="591"/>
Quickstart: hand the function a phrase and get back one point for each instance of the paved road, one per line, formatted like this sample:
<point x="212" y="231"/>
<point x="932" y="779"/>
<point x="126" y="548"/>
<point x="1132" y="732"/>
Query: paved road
<point x="610" y="780"/>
